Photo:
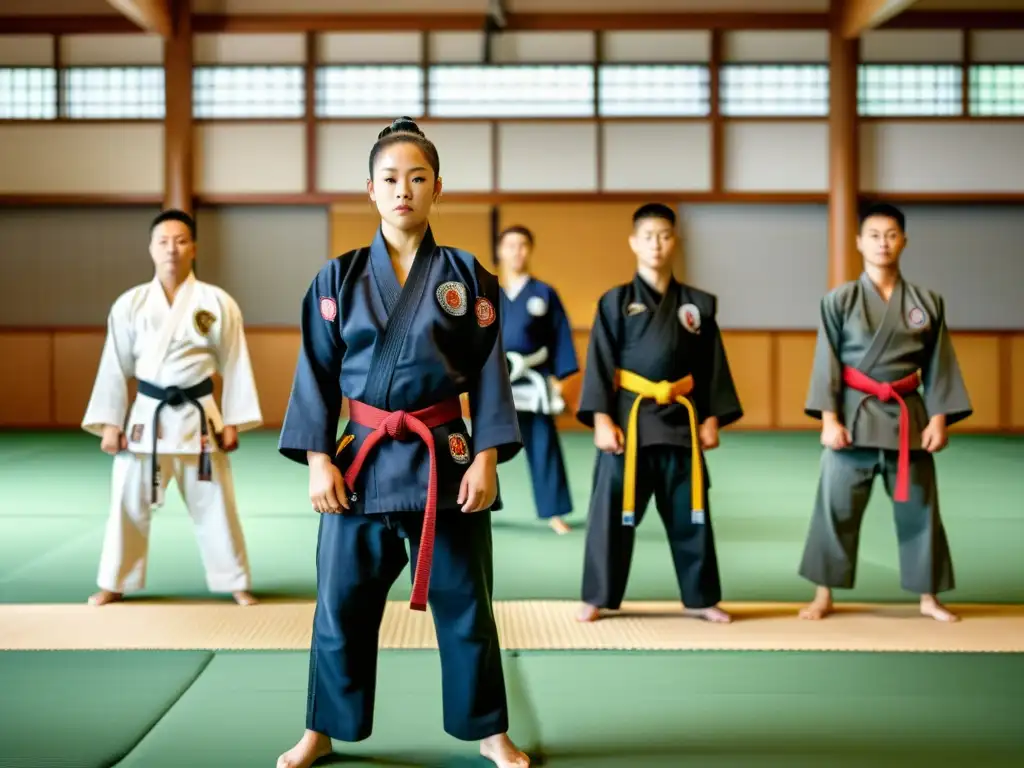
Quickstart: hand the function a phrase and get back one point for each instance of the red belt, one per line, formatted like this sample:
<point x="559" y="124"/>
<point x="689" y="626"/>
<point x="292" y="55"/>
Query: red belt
<point x="397" y="425"/>
<point x="885" y="392"/>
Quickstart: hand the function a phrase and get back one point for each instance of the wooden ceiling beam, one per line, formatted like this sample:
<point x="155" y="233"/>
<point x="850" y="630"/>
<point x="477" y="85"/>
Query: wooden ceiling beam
<point x="859" y="16"/>
<point x="151" y="15"/>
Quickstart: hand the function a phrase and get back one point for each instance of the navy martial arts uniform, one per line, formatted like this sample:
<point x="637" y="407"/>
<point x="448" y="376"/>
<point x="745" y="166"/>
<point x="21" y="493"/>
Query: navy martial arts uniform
<point x="656" y="365"/>
<point x="402" y="355"/>
<point x="538" y="344"/>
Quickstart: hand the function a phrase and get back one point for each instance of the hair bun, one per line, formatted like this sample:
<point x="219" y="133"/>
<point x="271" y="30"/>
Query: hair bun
<point x="401" y="125"/>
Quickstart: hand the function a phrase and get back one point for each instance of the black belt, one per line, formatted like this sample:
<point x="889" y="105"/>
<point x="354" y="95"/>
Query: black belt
<point x="177" y="397"/>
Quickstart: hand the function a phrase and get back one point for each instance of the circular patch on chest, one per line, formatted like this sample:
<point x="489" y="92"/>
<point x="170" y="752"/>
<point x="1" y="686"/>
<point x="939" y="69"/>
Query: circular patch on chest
<point x="458" y="448"/>
<point x="452" y="298"/>
<point x="485" y="314"/>
<point x="328" y="308"/>
<point x="689" y="317"/>
<point x="536" y="306"/>
<point x="916" y="317"/>
<point x="203" y="320"/>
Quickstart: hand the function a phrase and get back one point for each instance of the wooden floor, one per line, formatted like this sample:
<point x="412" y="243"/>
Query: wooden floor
<point x="523" y="625"/>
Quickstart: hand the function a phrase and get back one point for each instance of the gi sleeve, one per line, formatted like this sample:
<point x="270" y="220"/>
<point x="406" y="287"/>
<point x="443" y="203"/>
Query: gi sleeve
<point x="563" y="352"/>
<point x="314" y="406"/>
<point x="826" y="387"/>
<point x="108" y="404"/>
<point x="239" y="400"/>
<point x="492" y="411"/>
<point x="942" y="378"/>
<point x="715" y="393"/>
<point x="597" y="394"/>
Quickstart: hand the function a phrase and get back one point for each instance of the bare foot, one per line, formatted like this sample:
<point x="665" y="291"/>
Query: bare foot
<point x="502" y="752"/>
<point x="559" y="526"/>
<point x="244" y="598"/>
<point x="820" y="607"/>
<point x="105" y="596"/>
<point x="713" y="614"/>
<point x="311" y="747"/>
<point x="588" y="613"/>
<point x="930" y="606"/>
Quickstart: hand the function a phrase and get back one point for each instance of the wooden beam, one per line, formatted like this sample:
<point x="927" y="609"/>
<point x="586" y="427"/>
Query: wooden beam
<point x="151" y="15"/>
<point x="178" y="129"/>
<point x="858" y="16"/>
<point x="843" y="260"/>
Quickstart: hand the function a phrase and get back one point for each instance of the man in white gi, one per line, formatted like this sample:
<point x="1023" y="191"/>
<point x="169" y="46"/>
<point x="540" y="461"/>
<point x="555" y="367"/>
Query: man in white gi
<point x="172" y="335"/>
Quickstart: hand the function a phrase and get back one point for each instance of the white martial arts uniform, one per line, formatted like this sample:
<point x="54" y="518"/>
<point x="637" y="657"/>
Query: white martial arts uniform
<point x="177" y="345"/>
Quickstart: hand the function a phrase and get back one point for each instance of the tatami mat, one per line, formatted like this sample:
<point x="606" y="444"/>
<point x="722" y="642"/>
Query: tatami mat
<point x="523" y="625"/>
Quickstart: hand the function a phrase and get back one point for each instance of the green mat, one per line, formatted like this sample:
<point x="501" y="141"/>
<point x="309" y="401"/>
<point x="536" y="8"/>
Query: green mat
<point x="173" y="709"/>
<point x="763" y="489"/>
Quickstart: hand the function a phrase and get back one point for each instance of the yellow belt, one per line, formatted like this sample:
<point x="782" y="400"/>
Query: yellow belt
<point x="663" y="393"/>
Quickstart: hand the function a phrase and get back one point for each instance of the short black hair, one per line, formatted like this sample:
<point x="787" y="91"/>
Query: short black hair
<point x="884" y="209"/>
<point x="654" y="211"/>
<point x="174" y="214"/>
<point x="516" y="229"/>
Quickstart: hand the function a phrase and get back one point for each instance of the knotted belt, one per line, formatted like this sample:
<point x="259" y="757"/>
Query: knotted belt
<point x="177" y="397"/>
<point x="886" y="391"/>
<point x="397" y="425"/>
<point x="662" y="393"/>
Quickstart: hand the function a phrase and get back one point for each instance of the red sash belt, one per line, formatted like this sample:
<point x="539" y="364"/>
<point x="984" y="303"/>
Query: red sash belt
<point x="885" y="392"/>
<point x="397" y="425"/>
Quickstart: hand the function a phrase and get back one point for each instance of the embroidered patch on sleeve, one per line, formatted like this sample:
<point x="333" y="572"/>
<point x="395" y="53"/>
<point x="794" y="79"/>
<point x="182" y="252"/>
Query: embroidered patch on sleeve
<point x="328" y="308"/>
<point x="485" y="314"/>
<point x="452" y="298"/>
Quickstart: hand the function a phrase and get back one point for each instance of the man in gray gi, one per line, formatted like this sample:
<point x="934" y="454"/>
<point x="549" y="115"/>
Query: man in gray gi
<point x="886" y="385"/>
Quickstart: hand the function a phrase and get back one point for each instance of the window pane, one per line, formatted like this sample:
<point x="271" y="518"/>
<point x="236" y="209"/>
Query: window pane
<point x="244" y="92"/>
<point x="28" y="93"/>
<point x="654" y="90"/>
<point x="511" y="91"/>
<point x="774" y="89"/>
<point x="929" y="90"/>
<point x="119" y="93"/>
<point x="997" y="89"/>
<point x="369" y="91"/>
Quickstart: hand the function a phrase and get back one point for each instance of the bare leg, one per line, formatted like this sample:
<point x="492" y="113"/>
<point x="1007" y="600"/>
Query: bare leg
<point x="105" y="596"/>
<point x="244" y="598"/>
<point x="820" y="607"/>
<point x="559" y="526"/>
<point x="930" y="606"/>
<point x="588" y="613"/>
<point x="713" y="614"/>
<point x="500" y="750"/>
<point x="311" y="747"/>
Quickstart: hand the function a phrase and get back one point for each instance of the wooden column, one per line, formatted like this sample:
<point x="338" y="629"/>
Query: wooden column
<point x="178" y="132"/>
<point x="844" y="262"/>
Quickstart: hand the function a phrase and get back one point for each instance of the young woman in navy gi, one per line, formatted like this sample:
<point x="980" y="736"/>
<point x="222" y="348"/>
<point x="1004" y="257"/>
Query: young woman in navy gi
<point x="401" y="329"/>
<point x="538" y="344"/>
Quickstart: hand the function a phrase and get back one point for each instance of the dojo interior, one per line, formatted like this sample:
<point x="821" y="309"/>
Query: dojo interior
<point x="764" y="123"/>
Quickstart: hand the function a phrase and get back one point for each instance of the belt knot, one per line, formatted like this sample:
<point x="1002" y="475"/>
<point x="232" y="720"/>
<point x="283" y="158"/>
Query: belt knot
<point x="397" y="425"/>
<point x="174" y="396"/>
<point x="886" y="392"/>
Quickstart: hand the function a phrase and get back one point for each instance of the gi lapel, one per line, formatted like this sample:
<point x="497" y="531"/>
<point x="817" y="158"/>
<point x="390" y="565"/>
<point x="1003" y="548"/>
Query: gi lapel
<point x="400" y="303"/>
<point x="663" y="323"/>
<point x="148" y="366"/>
<point x="884" y="332"/>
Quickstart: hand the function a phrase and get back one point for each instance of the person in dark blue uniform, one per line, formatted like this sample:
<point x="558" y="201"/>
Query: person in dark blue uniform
<point x="401" y="329"/>
<point x="656" y="391"/>
<point x="538" y="344"/>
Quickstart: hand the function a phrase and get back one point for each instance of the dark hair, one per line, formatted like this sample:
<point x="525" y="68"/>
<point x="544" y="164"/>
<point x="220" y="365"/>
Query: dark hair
<point x="884" y="209"/>
<point x="517" y="229"/>
<point x="654" y="211"/>
<point x="405" y="129"/>
<point x="173" y="214"/>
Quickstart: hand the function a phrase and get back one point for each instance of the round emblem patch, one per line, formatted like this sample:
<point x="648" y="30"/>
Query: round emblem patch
<point x="536" y="306"/>
<point x="328" y="308"/>
<point x="484" y="312"/>
<point x="452" y="298"/>
<point x="916" y="317"/>
<point x="689" y="316"/>
<point x="458" y="448"/>
<point x="203" y="321"/>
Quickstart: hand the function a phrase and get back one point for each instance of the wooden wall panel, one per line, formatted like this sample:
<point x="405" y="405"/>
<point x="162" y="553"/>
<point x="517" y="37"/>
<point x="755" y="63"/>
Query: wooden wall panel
<point x="466" y="226"/>
<point x="750" y="359"/>
<point x="25" y="387"/>
<point x="771" y="368"/>
<point x="795" y="357"/>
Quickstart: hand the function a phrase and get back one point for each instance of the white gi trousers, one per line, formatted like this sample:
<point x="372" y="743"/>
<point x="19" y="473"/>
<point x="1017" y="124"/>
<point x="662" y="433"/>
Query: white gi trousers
<point x="210" y="504"/>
